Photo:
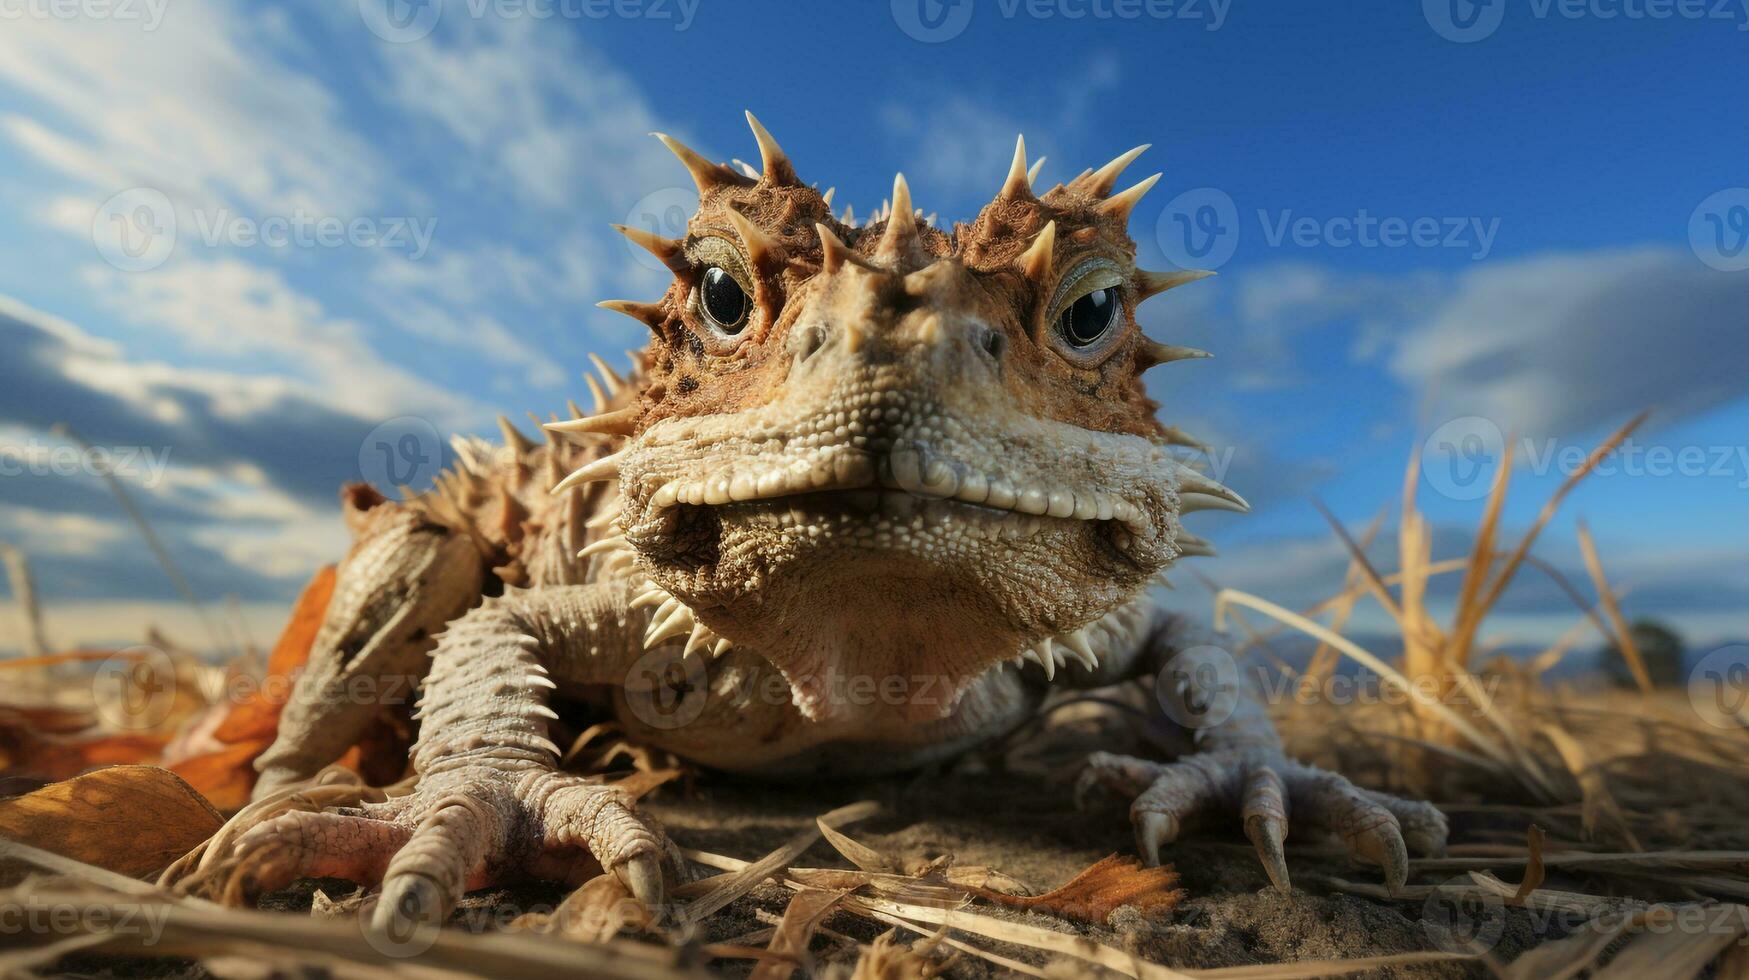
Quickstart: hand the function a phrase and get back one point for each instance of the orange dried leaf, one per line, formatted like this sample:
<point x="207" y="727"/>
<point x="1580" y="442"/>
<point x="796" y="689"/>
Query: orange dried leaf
<point x="594" y="913"/>
<point x="225" y="776"/>
<point x="133" y="820"/>
<point x="1102" y="889"/>
<point x="1534" y="872"/>
<point x="258" y="716"/>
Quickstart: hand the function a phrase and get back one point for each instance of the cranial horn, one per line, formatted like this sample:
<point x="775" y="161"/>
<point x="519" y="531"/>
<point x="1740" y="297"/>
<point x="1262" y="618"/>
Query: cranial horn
<point x="1101" y="181"/>
<point x="1120" y="205"/>
<point x="1036" y="260"/>
<point x="707" y="175"/>
<point x="1154" y="283"/>
<point x="1017" y="187"/>
<point x="1155" y="352"/>
<point x="901" y="231"/>
<point x="834" y="253"/>
<point x="761" y="248"/>
<point x="776" y="165"/>
<point x="669" y="250"/>
<point x="649" y="314"/>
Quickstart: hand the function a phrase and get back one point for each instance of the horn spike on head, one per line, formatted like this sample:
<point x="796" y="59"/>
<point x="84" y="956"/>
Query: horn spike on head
<point x="761" y="248"/>
<point x="1035" y="262"/>
<point x="772" y="160"/>
<point x="1149" y="284"/>
<point x="1018" y="185"/>
<point x="670" y="251"/>
<point x="1101" y="181"/>
<point x="707" y="175"/>
<point x="1120" y="205"/>
<point x="1156" y="353"/>
<point x="649" y="314"/>
<point x="513" y="436"/>
<point x="616" y="382"/>
<point x="826" y="198"/>
<point x="596" y="394"/>
<point x="834" y="253"/>
<point x="901" y="231"/>
<point x="1033" y="171"/>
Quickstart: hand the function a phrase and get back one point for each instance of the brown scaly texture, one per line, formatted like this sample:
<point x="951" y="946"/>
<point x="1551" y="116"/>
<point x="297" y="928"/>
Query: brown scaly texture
<point x="869" y="491"/>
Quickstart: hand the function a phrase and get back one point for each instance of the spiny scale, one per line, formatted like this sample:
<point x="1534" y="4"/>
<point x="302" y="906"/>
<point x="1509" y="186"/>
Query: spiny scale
<point x="1018" y="185"/>
<point x="773" y="161"/>
<point x="707" y="175"/>
<point x="1036" y="260"/>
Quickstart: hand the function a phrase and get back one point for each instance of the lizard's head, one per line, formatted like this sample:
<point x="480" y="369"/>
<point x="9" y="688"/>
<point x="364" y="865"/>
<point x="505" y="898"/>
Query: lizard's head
<point x="889" y="450"/>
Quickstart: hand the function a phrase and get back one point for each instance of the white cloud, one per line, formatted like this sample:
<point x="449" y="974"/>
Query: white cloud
<point x="548" y="118"/>
<point x="241" y="311"/>
<point x="41" y="533"/>
<point x="195" y="108"/>
<point x="962" y="144"/>
<point x="1561" y="344"/>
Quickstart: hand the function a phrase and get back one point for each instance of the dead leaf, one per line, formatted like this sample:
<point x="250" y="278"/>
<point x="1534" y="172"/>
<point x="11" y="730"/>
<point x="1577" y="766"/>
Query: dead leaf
<point x="1102" y="889"/>
<point x="594" y="913"/>
<point x="886" y="960"/>
<point x="225" y="776"/>
<point x="789" y="945"/>
<point x="861" y="855"/>
<point x="258" y="715"/>
<point x="1533" y="867"/>
<point x="133" y="820"/>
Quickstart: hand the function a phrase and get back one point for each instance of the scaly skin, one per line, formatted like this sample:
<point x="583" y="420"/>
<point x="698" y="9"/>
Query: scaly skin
<point x="861" y="527"/>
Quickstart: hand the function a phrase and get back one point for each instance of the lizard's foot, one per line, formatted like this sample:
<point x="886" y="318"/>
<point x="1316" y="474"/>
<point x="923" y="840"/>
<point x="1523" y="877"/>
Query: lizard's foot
<point x="460" y="829"/>
<point x="1271" y="795"/>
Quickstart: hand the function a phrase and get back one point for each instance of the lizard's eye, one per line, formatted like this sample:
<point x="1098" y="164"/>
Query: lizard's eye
<point x="1088" y="318"/>
<point x="1087" y="313"/>
<point x="725" y="303"/>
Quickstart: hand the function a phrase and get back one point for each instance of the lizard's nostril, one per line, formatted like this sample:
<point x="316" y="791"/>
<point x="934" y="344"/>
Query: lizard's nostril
<point x="993" y="343"/>
<point x="811" y="340"/>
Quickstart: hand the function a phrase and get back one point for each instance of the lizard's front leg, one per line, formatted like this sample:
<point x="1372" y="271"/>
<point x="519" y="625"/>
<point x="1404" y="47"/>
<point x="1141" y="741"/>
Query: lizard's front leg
<point x="1238" y="769"/>
<point x="490" y="803"/>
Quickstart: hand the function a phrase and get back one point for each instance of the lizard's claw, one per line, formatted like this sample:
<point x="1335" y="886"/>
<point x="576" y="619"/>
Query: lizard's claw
<point x="642" y="876"/>
<point x="462" y="829"/>
<point x="1271" y="796"/>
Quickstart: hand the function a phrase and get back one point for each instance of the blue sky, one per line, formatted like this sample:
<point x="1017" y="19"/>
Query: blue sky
<point x="1475" y="222"/>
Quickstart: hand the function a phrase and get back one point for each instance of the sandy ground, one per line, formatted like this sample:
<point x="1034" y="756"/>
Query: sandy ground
<point x="1020" y="825"/>
<point x="1021" y="821"/>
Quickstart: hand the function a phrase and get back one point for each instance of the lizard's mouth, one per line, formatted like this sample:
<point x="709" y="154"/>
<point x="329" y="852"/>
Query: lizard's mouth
<point x="881" y="500"/>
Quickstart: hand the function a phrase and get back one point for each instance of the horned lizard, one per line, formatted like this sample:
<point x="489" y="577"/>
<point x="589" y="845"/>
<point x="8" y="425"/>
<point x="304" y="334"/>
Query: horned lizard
<point x="869" y="493"/>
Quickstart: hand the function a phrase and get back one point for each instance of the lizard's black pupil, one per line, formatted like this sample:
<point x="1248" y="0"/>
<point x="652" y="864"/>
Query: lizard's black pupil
<point x="724" y="300"/>
<point x="1087" y="319"/>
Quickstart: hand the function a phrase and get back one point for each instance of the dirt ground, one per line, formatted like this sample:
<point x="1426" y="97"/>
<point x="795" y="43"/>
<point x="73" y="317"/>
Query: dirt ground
<point x="1029" y="828"/>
